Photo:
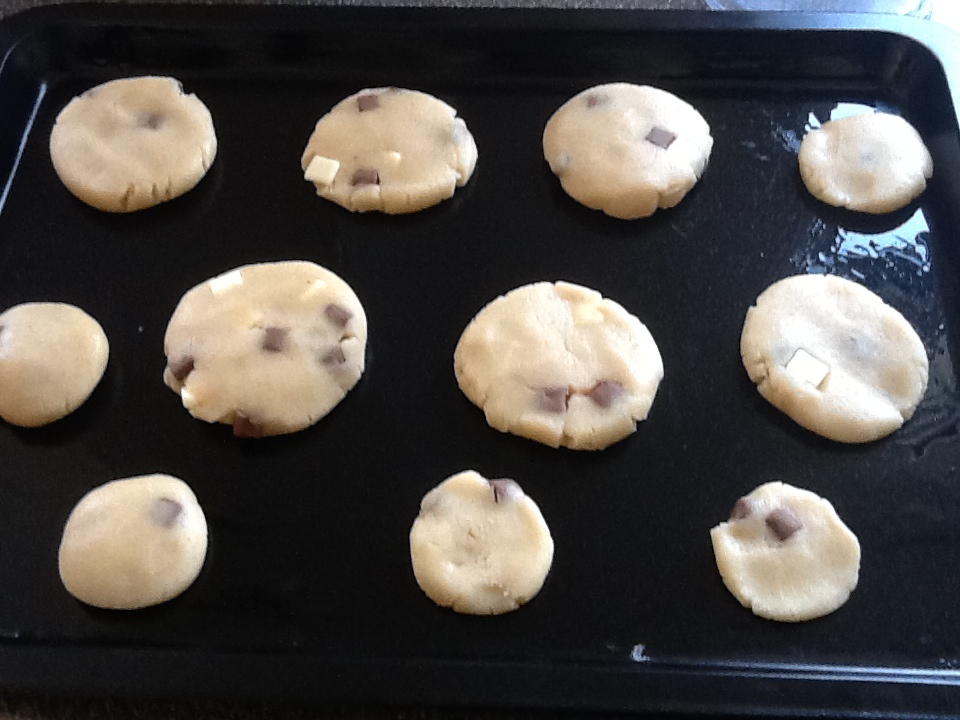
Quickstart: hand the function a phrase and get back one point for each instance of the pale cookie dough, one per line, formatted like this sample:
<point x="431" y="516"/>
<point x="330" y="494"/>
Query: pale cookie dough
<point x="559" y="364"/>
<point x="873" y="163"/>
<point x="268" y="348"/>
<point x="480" y="546"/>
<point x="389" y="149"/>
<point x="52" y="356"/>
<point x="627" y="149"/>
<point x="134" y="143"/>
<point x="133" y="543"/>
<point x="834" y="357"/>
<point x="786" y="555"/>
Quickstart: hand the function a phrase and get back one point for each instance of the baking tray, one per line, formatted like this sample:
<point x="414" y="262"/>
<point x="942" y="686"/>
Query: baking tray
<point x="307" y="592"/>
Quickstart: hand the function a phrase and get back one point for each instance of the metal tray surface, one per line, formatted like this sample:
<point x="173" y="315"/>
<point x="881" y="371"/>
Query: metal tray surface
<point x="307" y="591"/>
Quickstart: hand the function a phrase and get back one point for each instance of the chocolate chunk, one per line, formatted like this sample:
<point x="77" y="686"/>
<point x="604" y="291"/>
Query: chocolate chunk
<point x="554" y="399"/>
<point x="151" y="120"/>
<point x="660" y="137"/>
<point x="605" y="392"/>
<point x="182" y="367"/>
<point x="784" y="522"/>
<point x="334" y="357"/>
<point x="274" y="338"/>
<point x="164" y="511"/>
<point x="595" y="99"/>
<point x="370" y="101"/>
<point x="245" y="426"/>
<point x="504" y="489"/>
<point x="366" y="176"/>
<point x="338" y="314"/>
<point x="742" y="509"/>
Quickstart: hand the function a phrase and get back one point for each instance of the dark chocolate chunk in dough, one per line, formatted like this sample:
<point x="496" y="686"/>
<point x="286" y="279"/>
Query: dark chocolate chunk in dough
<point x="182" y="367"/>
<point x="784" y="522"/>
<point x="660" y="137"/>
<point x="605" y="392"/>
<point x="366" y="176"/>
<point x="164" y="511"/>
<point x="554" y="399"/>
<point x="151" y="120"/>
<point x="274" y="339"/>
<point x="245" y="426"/>
<point x="338" y="314"/>
<point x="368" y="101"/>
<point x="504" y="489"/>
<point x="334" y="357"/>
<point x="742" y="509"/>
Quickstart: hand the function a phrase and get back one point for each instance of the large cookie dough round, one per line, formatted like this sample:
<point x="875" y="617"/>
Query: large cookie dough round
<point x="52" y="356"/>
<point x="133" y="543"/>
<point x="268" y="348"/>
<point x="786" y="555"/>
<point x="131" y="144"/>
<point x="480" y="546"/>
<point x="389" y="149"/>
<point x="627" y="149"/>
<point x="559" y="364"/>
<point x="874" y="163"/>
<point x="834" y="357"/>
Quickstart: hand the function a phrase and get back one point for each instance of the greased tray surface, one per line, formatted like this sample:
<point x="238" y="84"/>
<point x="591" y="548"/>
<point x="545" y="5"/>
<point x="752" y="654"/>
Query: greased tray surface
<point x="307" y="591"/>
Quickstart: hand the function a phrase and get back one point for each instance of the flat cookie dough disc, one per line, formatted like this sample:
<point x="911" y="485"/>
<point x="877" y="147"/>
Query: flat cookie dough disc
<point x="834" y="357"/>
<point x="559" y="364"/>
<point x="389" y="149"/>
<point x="480" y="546"/>
<point x="269" y="348"/>
<point x="786" y="555"/>
<point x="627" y="149"/>
<point x="134" y="143"/>
<point x="133" y="543"/>
<point x="873" y="163"/>
<point x="52" y="356"/>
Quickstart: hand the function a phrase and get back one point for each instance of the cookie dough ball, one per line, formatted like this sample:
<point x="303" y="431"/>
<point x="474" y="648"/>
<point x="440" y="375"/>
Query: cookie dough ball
<point x="874" y="163"/>
<point x="627" y="149"/>
<point x="834" y="357"/>
<point x="134" y="143"/>
<point x="786" y="555"/>
<point x="269" y="348"/>
<point x="480" y="546"/>
<point x="133" y="543"/>
<point x="559" y="364"/>
<point x="52" y="356"/>
<point x="389" y="149"/>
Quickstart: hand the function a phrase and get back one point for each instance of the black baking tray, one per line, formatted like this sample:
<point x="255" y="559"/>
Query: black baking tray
<point x="307" y="592"/>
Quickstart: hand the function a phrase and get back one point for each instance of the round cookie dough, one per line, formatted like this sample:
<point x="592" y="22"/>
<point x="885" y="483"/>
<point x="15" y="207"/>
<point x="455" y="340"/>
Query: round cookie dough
<point x="133" y="543"/>
<point x="627" y="149"/>
<point x="559" y="364"/>
<point x="133" y="143"/>
<point x="834" y="357"/>
<point x="786" y="555"/>
<point x="389" y="149"/>
<point x="269" y="348"/>
<point x="872" y="163"/>
<point x="52" y="356"/>
<point x="480" y="546"/>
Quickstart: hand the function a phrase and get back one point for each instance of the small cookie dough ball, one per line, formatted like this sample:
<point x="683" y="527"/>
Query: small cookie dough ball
<point x="133" y="143"/>
<point x="873" y="163"/>
<point x="389" y="149"/>
<point x="627" y="149"/>
<point x="480" y="546"/>
<point x="52" y="356"/>
<point x="268" y="348"/>
<point x="133" y="543"/>
<point x="785" y="554"/>
<point x="559" y="364"/>
<point x="834" y="357"/>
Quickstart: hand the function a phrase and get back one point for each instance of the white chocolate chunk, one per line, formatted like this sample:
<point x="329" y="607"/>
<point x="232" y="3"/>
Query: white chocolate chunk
<point x="317" y="286"/>
<point x="187" y="398"/>
<point x="584" y="314"/>
<point x="322" y="170"/>
<point x="806" y="368"/>
<point x="222" y="283"/>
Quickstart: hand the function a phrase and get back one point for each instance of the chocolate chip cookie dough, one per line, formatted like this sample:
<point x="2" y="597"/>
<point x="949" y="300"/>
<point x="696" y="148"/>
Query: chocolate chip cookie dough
<point x="480" y="546"/>
<point x="785" y="554"/>
<point x="133" y="143"/>
<point x="52" y="356"/>
<point x="834" y="357"/>
<point x="627" y="149"/>
<point x="559" y="364"/>
<point x="268" y="348"/>
<point x="873" y="163"/>
<point x="133" y="543"/>
<point x="389" y="149"/>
